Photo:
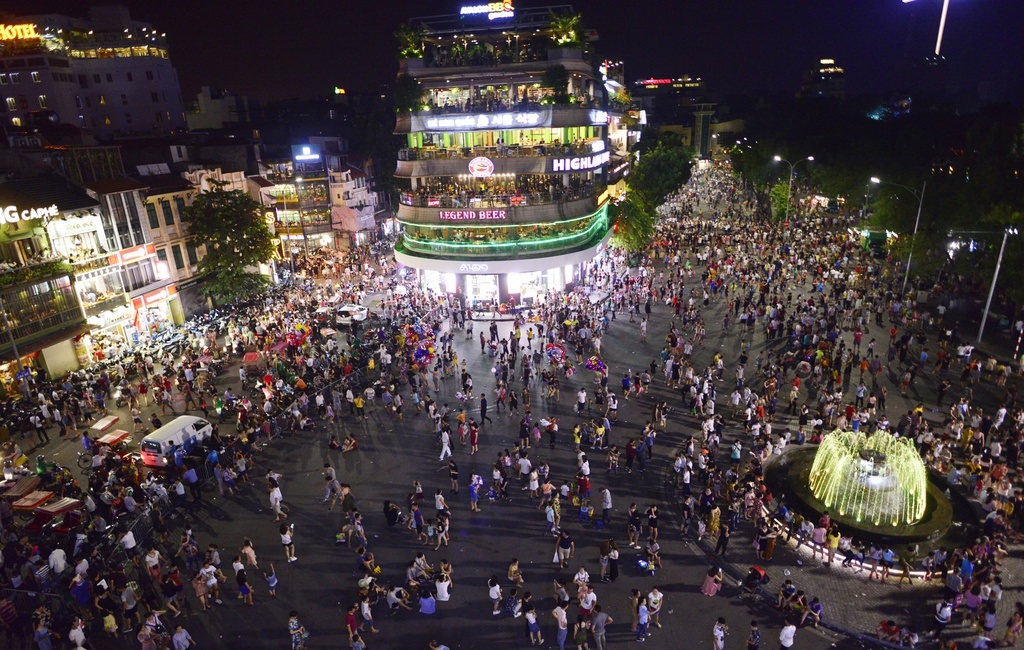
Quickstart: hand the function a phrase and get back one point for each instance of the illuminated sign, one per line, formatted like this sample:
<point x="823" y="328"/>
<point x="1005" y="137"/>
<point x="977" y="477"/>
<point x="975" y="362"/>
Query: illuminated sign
<point x="481" y="167"/>
<point x="12" y="32"/>
<point x="129" y="255"/>
<point x="305" y="153"/>
<point x="494" y="120"/>
<point x="13" y="215"/>
<point x="492" y="9"/>
<point x="598" y="117"/>
<point x="155" y="297"/>
<point x="655" y="82"/>
<point x="475" y="267"/>
<point x="581" y="163"/>
<point x="472" y="215"/>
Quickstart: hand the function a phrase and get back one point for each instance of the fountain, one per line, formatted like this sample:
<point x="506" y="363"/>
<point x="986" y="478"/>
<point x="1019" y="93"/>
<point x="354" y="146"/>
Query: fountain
<point x="875" y="487"/>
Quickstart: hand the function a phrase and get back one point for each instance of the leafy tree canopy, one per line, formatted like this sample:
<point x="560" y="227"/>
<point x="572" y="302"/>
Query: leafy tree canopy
<point x="237" y="239"/>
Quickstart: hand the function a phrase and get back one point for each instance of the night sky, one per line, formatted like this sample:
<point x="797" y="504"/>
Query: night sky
<point x="301" y="48"/>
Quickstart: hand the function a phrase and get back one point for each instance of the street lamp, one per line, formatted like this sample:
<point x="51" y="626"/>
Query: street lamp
<point x="792" y="166"/>
<point x="995" y="278"/>
<point x="917" y="221"/>
<point x="942" y="24"/>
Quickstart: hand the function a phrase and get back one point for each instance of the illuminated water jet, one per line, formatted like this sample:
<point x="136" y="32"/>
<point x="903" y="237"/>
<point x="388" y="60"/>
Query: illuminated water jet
<point x="878" y="479"/>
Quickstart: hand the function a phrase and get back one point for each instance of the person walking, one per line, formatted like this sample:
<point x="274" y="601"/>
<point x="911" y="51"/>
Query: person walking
<point x="787" y="635"/>
<point x="483" y="410"/>
<point x="288" y="541"/>
<point x="643" y="618"/>
<point x="563" y="622"/>
<point x="718" y="634"/>
<point x="446" y="444"/>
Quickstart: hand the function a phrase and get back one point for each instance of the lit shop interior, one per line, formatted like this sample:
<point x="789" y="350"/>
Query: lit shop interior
<point x="575" y="140"/>
<point x="482" y="290"/>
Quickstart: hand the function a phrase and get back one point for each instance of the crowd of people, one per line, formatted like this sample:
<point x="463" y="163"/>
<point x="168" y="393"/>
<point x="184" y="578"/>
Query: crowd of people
<point x="807" y="317"/>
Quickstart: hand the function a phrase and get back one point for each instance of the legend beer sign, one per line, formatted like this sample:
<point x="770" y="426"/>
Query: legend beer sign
<point x="472" y="215"/>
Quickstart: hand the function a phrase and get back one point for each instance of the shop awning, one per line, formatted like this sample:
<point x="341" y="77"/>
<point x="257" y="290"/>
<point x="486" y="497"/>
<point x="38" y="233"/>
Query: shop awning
<point x="26" y="349"/>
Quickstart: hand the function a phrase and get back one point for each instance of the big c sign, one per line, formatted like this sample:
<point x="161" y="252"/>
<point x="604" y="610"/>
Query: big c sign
<point x="12" y="214"/>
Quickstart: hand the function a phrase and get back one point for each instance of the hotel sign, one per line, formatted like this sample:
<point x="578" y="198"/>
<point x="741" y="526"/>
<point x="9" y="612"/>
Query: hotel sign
<point x="493" y="10"/>
<point x="14" y="32"/>
<point x="12" y="214"/>
<point x="483" y="121"/>
<point x="581" y="163"/>
<point x="472" y="215"/>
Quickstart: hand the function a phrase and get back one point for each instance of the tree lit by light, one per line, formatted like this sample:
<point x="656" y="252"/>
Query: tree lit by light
<point x="878" y="479"/>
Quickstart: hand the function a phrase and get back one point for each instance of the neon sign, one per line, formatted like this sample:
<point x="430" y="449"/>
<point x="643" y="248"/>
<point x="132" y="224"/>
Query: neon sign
<point x="472" y="215"/>
<point x="482" y="121"/>
<point x="305" y="153"/>
<point x="11" y="213"/>
<point x="12" y="32"/>
<point x="493" y="10"/>
<point x="581" y="163"/>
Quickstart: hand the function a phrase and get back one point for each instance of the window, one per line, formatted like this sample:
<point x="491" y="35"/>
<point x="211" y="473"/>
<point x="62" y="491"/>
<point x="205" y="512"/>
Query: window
<point x="78" y="101"/>
<point x="110" y="78"/>
<point x="179" y="263"/>
<point x="3" y="80"/>
<point x="155" y="97"/>
<point x="106" y="120"/>
<point x="179" y="205"/>
<point x="15" y="77"/>
<point x="129" y="76"/>
<point x="154" y="220"/>
<point x="12" y="103"/>
<point x="103" y="100"/>
<point x="127" y="118"/>
<point x="193" y="254"/>
<point x="165" y="207"/>
<point x="161" y="254"/>
<point x="42" y="102"/>
<point x="35" y="78"/>
<point x="124" y="100"/>
<point x="96" y="79"/>
<point x="16" y="121"/>
<point x="83" y="81"/>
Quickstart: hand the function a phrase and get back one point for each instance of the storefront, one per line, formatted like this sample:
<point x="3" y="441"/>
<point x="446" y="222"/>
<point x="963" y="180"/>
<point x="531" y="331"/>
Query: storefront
<point x="155" y="312"/>
<point x="481" y="284"/>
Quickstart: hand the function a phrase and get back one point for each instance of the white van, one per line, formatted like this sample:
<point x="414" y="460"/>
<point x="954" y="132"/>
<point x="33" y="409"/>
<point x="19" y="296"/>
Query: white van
<point x="187" y="431"/>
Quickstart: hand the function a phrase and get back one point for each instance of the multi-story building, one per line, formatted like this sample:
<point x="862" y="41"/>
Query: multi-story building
<point x="353" y="207"/>
<point x="504" y="182"/>
<point x="216" y="109"/>
<point x="106" y="73"/>
<point x="126" y="295"/>
<point x="825" y="80"/>
<point x="44" y="221"/>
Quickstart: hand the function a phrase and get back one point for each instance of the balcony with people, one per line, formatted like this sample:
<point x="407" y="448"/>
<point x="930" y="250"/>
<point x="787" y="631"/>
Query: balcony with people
<point x="500" y="191"/>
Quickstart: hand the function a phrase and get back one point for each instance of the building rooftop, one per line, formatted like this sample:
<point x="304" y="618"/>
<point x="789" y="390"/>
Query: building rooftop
<point x="166" y="183"/>
<point x="44" y="191"/>
<point x="114" y="185"/>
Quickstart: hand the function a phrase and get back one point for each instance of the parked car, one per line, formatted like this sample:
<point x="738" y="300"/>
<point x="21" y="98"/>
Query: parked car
<point x="348" y="314"/>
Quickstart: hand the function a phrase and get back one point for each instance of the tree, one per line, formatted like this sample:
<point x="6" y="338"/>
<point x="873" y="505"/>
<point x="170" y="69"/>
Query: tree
<point x="410" y="41"/>
<point x="656" y="174"/>
<point x="780" y="199"/>
<point x="632" y="227"/>
<point x="408" y="93"/>
<point x="237" y="239"/>
<point x="565" y="29"/>
<point x="556" y="79"/>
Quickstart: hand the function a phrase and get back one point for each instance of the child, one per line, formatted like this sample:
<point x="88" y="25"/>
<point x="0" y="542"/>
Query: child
<point x="333" y="443"/>
<point x="271" y="581"/>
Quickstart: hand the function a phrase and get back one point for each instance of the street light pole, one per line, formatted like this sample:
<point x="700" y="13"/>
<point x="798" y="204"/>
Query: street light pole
<point x="995" y="278"/>
<point x="917" y="221"/>
<point x="792" y="172"/>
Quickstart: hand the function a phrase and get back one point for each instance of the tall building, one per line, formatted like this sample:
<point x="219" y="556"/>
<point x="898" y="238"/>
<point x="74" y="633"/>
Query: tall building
<point x="215" y="109"/>
<point x="106" y="73"/>
<point x="504" y="174"/>
<point x="825" y="80"/>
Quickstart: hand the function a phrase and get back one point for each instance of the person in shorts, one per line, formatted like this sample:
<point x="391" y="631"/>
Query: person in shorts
<point x="288" y="541"/>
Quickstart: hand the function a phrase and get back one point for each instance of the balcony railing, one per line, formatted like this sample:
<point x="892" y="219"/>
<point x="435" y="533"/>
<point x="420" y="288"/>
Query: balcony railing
<point x="508" y="151"/>
<point x="507" y="249"/>
<point x="106" y="304"/>
<point x="469" y="200"/>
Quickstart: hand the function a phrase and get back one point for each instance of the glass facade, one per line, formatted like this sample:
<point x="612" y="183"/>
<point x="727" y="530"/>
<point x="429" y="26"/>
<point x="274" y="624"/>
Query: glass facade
<point x="36" y="309"/>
